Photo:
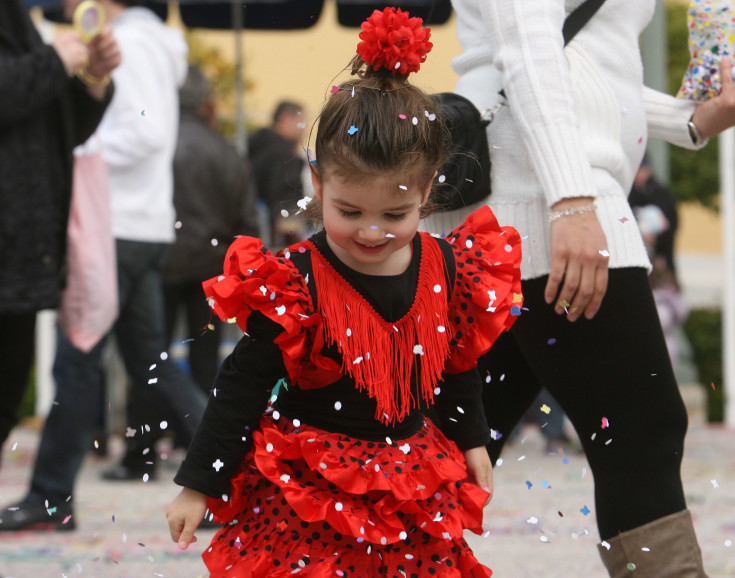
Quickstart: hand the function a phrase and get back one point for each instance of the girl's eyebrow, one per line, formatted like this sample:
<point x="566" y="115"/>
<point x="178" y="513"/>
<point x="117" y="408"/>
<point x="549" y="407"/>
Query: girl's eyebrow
<point x="403" y="207"/>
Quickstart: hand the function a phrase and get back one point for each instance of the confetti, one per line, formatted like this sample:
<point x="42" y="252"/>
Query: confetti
<point x="710" y="38"/>
<point x="334" y="89"/>
<point x="585" y="510"/>
<point x="217" y="465"/>
<point x="529" y="484"/>
<point x="605" y="423"/>
<point x="352" y="130"/>
<point x="546" y="409"/>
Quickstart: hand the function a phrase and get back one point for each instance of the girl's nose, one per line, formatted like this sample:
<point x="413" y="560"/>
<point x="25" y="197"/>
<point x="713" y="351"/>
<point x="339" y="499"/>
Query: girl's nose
<point x="372" y="233"/>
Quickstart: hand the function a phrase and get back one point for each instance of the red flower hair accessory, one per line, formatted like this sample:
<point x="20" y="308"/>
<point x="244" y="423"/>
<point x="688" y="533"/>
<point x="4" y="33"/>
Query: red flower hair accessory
<point x="392" y="40"/>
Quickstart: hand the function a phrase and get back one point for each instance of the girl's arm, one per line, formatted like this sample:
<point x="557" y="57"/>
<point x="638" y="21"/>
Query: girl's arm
<point x="239" y="397"/>
<point x="236" y="404"/>
<point x="462" y="419"/>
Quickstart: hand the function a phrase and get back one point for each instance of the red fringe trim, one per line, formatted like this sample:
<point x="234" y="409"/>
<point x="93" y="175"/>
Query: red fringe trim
<point x="381" y="356"/>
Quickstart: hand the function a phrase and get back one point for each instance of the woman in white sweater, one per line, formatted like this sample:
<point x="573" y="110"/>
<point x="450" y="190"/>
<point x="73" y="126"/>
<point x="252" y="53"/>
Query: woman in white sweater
<point x="565" y="148"/>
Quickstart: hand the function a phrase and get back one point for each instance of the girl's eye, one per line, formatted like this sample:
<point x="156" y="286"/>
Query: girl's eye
<point x="395" y="216"/>
<point x="349" y="213"/>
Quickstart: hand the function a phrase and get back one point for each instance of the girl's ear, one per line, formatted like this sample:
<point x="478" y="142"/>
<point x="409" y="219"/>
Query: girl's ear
<point x="316" y="181"/>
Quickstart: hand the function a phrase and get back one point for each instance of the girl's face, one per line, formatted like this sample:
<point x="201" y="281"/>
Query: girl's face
<point x="370" y="223"/>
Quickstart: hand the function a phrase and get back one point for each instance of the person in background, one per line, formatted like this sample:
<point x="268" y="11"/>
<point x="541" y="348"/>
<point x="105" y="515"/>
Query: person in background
<point x="138" y="136"/>
<point x="654" y="206"/>
<point x="45" y="111"/>
<point x="214" y="196"/>
<point x="278" y="163"/>
<point x="565" y="149"/>
<point x="647" y="190"/>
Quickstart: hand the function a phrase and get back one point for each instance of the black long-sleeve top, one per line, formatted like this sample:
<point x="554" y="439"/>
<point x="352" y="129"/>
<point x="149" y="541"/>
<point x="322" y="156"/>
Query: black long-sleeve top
<point x="245" y="381"/>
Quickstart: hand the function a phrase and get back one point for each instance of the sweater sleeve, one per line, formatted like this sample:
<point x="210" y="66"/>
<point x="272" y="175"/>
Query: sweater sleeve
<point x="667" y="118"/>
<point x="29" y="82"/>
<point x="237" y="402"/>
<point x="528" y="49"/>
<point x="135" y="126"/>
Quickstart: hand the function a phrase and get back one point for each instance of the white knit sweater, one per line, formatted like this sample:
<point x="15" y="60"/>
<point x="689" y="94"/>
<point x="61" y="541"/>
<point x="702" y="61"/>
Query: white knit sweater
<point x="576" y="120"/>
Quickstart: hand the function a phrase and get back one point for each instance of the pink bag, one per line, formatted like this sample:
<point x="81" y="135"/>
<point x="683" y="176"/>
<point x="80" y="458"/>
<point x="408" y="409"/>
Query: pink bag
<point x="89" y="304"/>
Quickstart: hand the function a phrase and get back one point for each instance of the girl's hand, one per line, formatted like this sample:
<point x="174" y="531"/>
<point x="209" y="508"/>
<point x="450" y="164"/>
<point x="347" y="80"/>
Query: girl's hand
<point x="480" y="469"/>
<point x="718" y="114"/>
<point x="184" y="515"/>
<point x="579" y="262"/>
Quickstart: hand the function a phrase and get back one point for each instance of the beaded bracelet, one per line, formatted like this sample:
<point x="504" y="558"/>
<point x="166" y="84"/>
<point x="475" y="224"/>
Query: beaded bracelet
<point x="569" y="212"/>
<point x="91" y="80"/>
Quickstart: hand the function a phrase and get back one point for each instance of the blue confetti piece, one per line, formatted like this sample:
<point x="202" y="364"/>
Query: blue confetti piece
<point x="515" y="311"/>
<point x="585" y="510"/>
<point x="353" y="129"/>
<point x="529" y="484"/>
<point x="566" y="461"/>
<point x="545" y="484"/>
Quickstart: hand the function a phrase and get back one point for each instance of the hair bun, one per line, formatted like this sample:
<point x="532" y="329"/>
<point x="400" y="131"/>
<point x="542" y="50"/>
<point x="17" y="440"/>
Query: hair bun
<point x="394" y="42"/>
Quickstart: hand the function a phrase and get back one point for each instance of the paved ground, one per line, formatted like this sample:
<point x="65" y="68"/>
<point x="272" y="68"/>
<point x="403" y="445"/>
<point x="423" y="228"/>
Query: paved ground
<point x="122" y="532"/>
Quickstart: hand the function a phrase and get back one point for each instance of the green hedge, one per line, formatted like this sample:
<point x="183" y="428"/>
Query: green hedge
<point x="704" y="331"/>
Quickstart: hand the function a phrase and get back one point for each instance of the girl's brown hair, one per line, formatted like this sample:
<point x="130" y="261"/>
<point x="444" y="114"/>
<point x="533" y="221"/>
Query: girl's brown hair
<point x="397" y="129"/>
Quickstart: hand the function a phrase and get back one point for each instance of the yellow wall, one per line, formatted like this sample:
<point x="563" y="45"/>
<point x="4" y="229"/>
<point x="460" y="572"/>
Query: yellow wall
<point x="700" y="230"/>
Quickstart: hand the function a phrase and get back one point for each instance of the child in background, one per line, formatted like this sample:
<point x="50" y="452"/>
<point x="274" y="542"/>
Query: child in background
<point x="372" y="324"/>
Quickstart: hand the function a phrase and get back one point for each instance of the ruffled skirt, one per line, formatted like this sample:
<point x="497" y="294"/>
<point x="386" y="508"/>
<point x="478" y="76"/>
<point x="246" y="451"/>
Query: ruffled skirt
<point x="310" y="502"/>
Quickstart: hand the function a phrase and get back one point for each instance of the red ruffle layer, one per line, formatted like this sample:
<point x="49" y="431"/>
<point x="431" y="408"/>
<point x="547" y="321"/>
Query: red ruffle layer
<point x="487" y="296"/>
<point x="406" y="500"/>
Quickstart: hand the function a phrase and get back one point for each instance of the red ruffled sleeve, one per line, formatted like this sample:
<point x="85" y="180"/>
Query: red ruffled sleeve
<point x="255" y="279"/>
<point x="487" y="296"/>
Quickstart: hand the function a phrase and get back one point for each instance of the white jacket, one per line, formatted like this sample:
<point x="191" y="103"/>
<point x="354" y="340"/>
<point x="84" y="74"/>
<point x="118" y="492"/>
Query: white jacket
<point x="577" y="119"/>
<point x="140" y="127"/>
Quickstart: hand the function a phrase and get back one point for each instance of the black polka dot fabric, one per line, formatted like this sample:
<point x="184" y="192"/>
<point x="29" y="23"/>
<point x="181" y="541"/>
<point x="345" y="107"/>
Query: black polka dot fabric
<point x="316" y="503"/>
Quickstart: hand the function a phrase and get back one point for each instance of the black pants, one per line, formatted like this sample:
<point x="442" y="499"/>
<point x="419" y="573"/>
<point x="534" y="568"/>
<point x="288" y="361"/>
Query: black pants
<point x="615" y="366"/>
<point x="17" y="346"/>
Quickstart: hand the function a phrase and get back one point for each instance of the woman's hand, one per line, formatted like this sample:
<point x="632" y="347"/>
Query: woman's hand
<point x="579" y="262"/>
<point x="184" y="515"/>
<point x="104" y="54"/>
<point x="718" y="113"/>
<point x="72" y="52"/>
<point x="480" y="469"/>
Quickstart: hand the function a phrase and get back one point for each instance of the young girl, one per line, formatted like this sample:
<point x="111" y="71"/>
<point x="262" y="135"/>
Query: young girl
<point x="374" y="326"/>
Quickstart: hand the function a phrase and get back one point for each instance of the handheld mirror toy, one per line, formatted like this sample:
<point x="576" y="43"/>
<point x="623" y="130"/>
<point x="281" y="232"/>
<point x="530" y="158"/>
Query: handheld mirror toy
<point x="89" y="19"/>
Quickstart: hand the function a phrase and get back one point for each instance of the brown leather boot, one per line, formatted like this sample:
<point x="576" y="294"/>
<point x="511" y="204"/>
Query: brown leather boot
<point x="664" y="548"/>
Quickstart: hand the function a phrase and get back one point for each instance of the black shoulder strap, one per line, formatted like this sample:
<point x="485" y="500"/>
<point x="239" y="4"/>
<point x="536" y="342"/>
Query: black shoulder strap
<point x="577" y="19"/>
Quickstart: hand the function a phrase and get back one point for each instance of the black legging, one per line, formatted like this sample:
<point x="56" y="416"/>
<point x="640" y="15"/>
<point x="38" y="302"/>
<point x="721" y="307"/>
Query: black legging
<point x="615" y="366"/>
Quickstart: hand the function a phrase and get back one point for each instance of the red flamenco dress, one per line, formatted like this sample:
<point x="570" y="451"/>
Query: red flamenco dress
<point x="344" y="472"/>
